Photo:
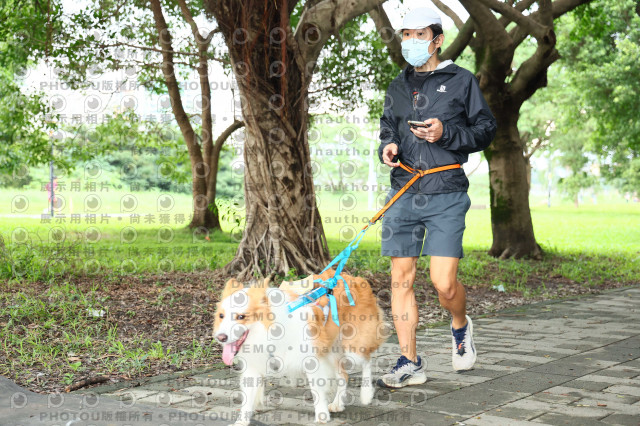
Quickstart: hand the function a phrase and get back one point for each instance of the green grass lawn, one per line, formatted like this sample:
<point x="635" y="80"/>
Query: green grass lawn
<point x="159" y="241"/>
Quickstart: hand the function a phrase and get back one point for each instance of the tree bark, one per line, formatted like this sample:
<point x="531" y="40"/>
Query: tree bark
<point x="283" y="229"/>
<point x="511" y="222"/>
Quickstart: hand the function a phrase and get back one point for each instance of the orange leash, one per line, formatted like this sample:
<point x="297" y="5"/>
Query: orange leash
<point x="417" y="174"/>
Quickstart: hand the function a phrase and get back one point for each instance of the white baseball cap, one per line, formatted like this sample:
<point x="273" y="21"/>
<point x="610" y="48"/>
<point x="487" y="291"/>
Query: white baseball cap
<point x="418" y="18"/>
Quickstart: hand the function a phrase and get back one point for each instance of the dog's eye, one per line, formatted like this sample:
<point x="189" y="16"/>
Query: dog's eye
<point x="221" y="315"/>
<point x="240" y="316"/>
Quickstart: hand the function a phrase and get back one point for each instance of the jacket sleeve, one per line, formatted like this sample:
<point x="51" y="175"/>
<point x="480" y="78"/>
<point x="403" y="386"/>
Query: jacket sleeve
<point x="481" y="125"/>
<point x="388" y="128"/>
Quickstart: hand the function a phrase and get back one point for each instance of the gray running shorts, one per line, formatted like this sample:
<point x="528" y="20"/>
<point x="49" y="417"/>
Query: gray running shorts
<point x="441" y="215"/>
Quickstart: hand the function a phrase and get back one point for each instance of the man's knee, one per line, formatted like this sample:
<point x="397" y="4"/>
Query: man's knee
<point x="403" y="273"/>
<point x="446" y="288"/>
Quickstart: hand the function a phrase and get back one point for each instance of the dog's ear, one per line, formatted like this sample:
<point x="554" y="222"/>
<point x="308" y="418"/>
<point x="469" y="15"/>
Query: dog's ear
<point x="230" y="287"/>
<point x="266" y="282"/>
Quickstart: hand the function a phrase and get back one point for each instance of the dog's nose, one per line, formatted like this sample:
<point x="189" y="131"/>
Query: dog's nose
<point x="222" y="337"/>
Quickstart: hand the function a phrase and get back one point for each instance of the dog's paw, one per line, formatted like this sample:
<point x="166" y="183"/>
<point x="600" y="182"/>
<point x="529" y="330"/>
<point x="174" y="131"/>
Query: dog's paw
<point x="335" y="407"/>
<point x="322" y="417"/>
<point x="366" y="394"/>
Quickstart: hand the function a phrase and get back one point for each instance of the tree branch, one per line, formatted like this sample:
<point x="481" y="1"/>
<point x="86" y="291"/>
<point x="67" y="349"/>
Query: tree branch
<point x="323" y="19"/>
<point x="521" y="6"/>
<point x="205" y="86"/>
<point x="154" y="49"/>
<point x="164" y="38"/>
<point x="449" y="12"/>
<point x="527" y="23"/>
<point x="388" y="35"/>
<point x="486" y="23"/>
<point x="462" y="40"/>
<point x="560" y="7"/>
<point x="531" y="74"/>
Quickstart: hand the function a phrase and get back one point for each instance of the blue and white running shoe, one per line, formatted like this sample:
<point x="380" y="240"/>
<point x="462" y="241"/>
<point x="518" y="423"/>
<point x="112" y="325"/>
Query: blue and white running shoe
<point x="405" y="372"/>
<point x="463" y="351"/>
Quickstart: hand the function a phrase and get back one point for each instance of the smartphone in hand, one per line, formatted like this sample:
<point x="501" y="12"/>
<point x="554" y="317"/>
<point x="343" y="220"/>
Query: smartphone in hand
<point x="415" y="124"/>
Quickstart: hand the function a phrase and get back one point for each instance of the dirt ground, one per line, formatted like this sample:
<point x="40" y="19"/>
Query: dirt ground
<point x="178" y="308"/>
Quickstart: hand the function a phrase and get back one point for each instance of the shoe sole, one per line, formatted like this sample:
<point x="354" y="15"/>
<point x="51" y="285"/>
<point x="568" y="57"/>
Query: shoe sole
<point x="474" y="352"/>
<point x="414" y="380"/>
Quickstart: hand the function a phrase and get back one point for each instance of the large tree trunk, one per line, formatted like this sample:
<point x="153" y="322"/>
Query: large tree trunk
<point x="509" y="190"/>
<point x="283" y="227"/>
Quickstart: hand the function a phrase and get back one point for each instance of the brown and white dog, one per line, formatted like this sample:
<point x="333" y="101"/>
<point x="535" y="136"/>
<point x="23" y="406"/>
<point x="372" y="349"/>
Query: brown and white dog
<point x="257" y="331"/>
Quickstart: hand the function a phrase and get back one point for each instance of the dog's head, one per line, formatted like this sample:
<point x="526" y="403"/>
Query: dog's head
<point x="240" y="310"/>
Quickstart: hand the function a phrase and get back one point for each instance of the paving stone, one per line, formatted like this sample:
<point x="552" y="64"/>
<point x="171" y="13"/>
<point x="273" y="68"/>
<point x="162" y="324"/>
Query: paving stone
<point x="554" y="398"/>
<point x="132" y="394"/>
<point x="626" y="390"/>
<point x="516" y="413"/>
<point x="598" y="396"/>
<point x="615" y="406"/>
<point x="522" y="364"/>
<point x="621" y="419"/>
<point x="467" y="401"/>
<point x="462" y="378"/>
<point x="611" y="380"/>
<point x="582" y="383"/>
<point x="632" y="342"/>
<point x="412" y="417"/>
<point x="489" y="420"/>
<point x="564" y="420"/>
<point x="614" y="353"/>
<point x="571" y="366"/>
<point x="165" y="399"/>
<point x="500" y="356"/>
<point x="530" y="403"/>
<point x="620" y="370"/>
<point x="524" y="381"/>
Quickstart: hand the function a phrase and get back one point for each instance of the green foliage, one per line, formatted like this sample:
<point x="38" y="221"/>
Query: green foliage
<point x="350" y="67"/>
<point x="23" y="128"/>
<point x="600" y="44"/>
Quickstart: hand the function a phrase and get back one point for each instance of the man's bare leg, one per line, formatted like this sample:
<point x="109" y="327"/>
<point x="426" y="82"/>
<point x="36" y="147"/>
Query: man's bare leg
<point x="404" y="308"/>
<point x="451" y="293"/>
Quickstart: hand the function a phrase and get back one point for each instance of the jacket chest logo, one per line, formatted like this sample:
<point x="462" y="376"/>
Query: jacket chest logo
<point x="442" y="89"/>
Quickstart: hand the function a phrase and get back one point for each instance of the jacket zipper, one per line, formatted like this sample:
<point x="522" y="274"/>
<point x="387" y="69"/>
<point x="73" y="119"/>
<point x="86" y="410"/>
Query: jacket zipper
<point x="414" y="95"/>
<point x="415" y="105"/>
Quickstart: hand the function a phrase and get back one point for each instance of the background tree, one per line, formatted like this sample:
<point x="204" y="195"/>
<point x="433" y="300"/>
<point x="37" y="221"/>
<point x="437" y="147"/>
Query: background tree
<point x="22" y="125"/>
<point x="273" y="57"/>
<point x="601" y="51"/>
<point x="127" y="36"/>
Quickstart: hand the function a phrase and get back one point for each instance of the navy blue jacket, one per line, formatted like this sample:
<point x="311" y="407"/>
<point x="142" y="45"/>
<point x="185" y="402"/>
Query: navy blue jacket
<point x="452" y="95"/>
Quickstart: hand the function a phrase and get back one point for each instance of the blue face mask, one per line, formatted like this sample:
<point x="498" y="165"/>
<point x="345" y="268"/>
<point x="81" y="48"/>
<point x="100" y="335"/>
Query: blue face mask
<point x="416" y="51"/>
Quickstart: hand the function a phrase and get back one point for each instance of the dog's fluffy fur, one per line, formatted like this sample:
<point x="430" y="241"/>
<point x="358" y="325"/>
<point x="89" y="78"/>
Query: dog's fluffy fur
<point x="255" y="327"/>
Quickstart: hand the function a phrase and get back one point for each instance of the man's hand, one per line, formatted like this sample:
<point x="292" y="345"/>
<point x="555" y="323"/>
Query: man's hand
<point x="388" y="152"/>
<point x="431" y="133"/>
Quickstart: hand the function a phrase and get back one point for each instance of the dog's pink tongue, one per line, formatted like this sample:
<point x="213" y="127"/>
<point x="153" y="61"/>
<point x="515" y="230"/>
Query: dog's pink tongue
<point x="228" y="353"/>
